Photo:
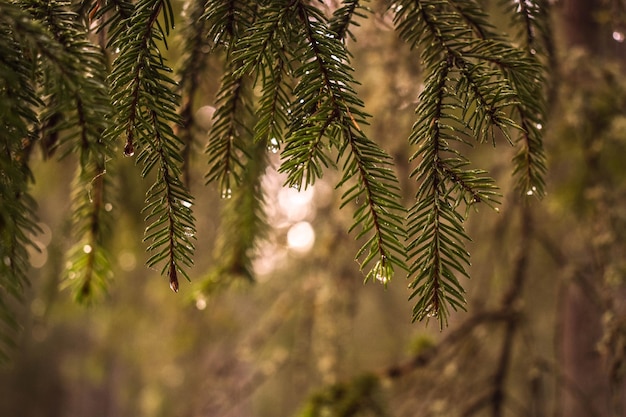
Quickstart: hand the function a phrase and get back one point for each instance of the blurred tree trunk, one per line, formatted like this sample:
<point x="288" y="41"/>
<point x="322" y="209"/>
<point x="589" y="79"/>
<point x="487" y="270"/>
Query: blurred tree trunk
<point x="591" y="383"/>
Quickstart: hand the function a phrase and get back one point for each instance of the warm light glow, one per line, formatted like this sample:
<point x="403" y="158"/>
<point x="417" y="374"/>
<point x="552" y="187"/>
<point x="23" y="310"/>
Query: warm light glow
<point x="201" y="303"/>
<point x="295" y="204"/>
<point x="301" y="237"/>
<point x="127" y="261"/>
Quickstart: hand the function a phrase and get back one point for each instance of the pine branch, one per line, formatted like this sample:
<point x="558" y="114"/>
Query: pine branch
<point x="530" y="162"/>
<point x="228" y="138"/>
<point x="243" y="225"/>
<point x="344" y="16"/>
<point x="89" y="270"/>
<point x="77" y="117"/>
<point x="142" y="95"/>
<point x="326" y="107"/>
<point x="193" y="63"/>
<point x="380" y="214"/>
<point x="49" y="46"/>
<point x="18" y="101"/>
<point x="228" y="20"/>
<point x="463" y="54"/>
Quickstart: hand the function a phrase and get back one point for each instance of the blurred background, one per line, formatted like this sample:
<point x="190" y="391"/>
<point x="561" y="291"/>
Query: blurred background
<point x="545" y="331"/>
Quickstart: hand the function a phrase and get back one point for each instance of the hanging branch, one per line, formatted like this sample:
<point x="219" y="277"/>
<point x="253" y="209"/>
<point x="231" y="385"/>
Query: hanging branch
<point x="76" y="118"/>
<point x="463" y="97"/>
<point x="193" y="64"/>
<point x="18" y="100"/>
<point x="343" y="17"/>
<point x="243" y="225"/>
<point x="530" y="161"/>
<point x="146" y="111"/>
<point x="326" y="106"/>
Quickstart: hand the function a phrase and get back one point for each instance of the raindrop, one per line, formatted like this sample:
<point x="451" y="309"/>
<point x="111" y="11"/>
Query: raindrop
<point x="273" y="146"/>
<point x="227" y="193"/>
<point x="129" y="149"/>
<point x="108" y="207"/>
<point x="618" y="36"/>
<point x="87" y="248"/>
<point x="533" y="52"/>
<point x="539" y="126"/>
<point x="431" y="312"/>
<point x="532" y="191"/>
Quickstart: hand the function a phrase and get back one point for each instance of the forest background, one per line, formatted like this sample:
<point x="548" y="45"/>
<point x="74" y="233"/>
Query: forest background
<point x="545" y="330"/>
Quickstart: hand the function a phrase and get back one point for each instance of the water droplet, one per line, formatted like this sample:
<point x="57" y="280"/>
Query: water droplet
<point x="108" y="207"/>
<point x="87" y="248"/>
<point x="129" y="149"/>
<point x="539" y="126"/>
<point x="382" y="278"/>
<point x="618" y="36"/>
<point x="533" y="52"/>
<point x="174" y="285"/>
<point x="273" y="146"/>
<point x="497" y="210"/>
<point x="431" y="312"/>
<point x="532" y="191"/>
<point x="227" y="193"/>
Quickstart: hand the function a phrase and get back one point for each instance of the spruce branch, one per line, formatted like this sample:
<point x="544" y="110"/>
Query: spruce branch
<point x="326" y="107"/>
<point x="437" y="252"/>
<point x="228" y="20"/>
<point x="344" y="16"/>
<point x="227" y="148"/>
<point x="146" y="110"/>
<point x="471" y="91"/>
<point x="244" y="224"/>
<point x="379" y="213"/>
<point x="76" y="117"/>
<point x="18" y="101"/>
<point x="530" y="161"/>
<point x="194" y="62"/>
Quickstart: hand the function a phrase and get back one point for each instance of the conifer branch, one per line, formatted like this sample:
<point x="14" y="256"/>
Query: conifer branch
<point x="244" y="224"/>
<point x="226" y="150"/>
<point x="326" y="106"/>
<point x="228" y="20"/>
<point x="18" y="101"/>
<point x="77" y="117"/>
<point x="463" y="54"/>
<point x="530" y="161"/>
<point x="343" y="17"/>
<point x="194" y="62"/>
<point x="142" y="94"/>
